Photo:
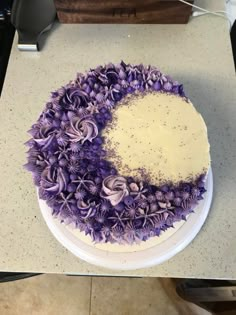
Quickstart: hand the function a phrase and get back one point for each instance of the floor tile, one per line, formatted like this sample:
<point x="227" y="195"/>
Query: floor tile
<point x="138" y="296"/>
<point x="46" y="295"/>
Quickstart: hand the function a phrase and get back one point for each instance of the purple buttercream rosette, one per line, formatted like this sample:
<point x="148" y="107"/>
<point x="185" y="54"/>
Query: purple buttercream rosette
<point x="69" y="166"/>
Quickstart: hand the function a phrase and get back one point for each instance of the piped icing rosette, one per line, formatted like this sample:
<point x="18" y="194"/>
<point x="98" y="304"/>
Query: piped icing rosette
<point x="73" y="167"/>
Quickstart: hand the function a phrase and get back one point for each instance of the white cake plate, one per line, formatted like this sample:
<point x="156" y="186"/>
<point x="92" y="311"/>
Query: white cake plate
<point x="120" y="257"/>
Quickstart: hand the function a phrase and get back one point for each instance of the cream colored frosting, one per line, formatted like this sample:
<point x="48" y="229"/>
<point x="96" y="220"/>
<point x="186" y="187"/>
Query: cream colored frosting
<point x="160" y="136"/>
<point x="126" y="248"/>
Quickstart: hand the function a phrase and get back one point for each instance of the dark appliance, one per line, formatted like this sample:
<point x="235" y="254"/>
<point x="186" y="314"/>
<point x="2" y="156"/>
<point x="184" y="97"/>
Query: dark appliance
<point x="6" y="37"/>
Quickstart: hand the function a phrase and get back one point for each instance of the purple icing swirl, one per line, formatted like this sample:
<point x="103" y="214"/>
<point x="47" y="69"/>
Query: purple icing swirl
<point x="74" y="98"/>
<point x="54" y="180"/>
<point x="114" y="189"/>
<point x="45" y="136"/>
<point x="82" y="130"/>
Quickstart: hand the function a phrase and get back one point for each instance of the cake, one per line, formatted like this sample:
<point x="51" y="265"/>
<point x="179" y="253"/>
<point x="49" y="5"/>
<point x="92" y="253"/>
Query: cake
<point x="121" y="153"/>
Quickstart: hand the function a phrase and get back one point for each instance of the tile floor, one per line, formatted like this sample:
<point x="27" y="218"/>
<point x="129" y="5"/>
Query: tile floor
<point x="70" y="295"/>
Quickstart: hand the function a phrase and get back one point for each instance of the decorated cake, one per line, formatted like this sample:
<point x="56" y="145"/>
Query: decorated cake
<point x="120" y="153"/>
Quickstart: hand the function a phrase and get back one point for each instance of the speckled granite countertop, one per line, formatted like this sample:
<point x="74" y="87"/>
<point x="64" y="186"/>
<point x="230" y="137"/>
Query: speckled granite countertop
<point x="197" y="54"/>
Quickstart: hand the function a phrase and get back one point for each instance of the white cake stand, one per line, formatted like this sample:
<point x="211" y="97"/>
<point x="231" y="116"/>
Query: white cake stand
<point x="119" y="257"/>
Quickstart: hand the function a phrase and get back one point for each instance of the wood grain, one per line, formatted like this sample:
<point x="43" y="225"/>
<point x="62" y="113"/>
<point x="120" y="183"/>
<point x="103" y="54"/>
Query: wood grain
<point x="123" y="11"/>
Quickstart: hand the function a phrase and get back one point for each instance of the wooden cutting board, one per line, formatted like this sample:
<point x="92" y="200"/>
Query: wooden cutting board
<point x="123" y="11"/>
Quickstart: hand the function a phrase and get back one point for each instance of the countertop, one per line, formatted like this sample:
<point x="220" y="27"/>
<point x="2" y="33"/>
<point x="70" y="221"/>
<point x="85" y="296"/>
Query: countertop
<point x="197" y="54"/>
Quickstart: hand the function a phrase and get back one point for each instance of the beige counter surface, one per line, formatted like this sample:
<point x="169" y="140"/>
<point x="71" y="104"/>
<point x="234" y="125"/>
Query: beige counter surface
<point x="199" y="55"/>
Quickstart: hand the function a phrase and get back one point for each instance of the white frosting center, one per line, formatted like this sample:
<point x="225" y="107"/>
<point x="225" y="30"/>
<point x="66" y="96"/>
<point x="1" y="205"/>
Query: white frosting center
<point x="159" y="135"/>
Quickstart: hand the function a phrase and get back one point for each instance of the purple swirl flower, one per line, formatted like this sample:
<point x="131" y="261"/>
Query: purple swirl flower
<point x="82" y="130"/>
<point x="114" y="189"/>
<point x="74" y="98"/>
<point x="45" y="136"/>
<point x="54" y="180"/>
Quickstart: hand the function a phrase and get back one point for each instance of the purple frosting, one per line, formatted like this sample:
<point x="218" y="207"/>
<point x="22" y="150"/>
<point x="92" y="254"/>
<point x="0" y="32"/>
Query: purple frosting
<point x="82" y="129"/>
<point x="68" y="162"/>
<point x="114" y="189"/>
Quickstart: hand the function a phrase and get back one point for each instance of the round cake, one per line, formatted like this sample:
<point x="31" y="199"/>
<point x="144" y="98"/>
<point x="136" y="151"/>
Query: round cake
<point x="121" y="153"/>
